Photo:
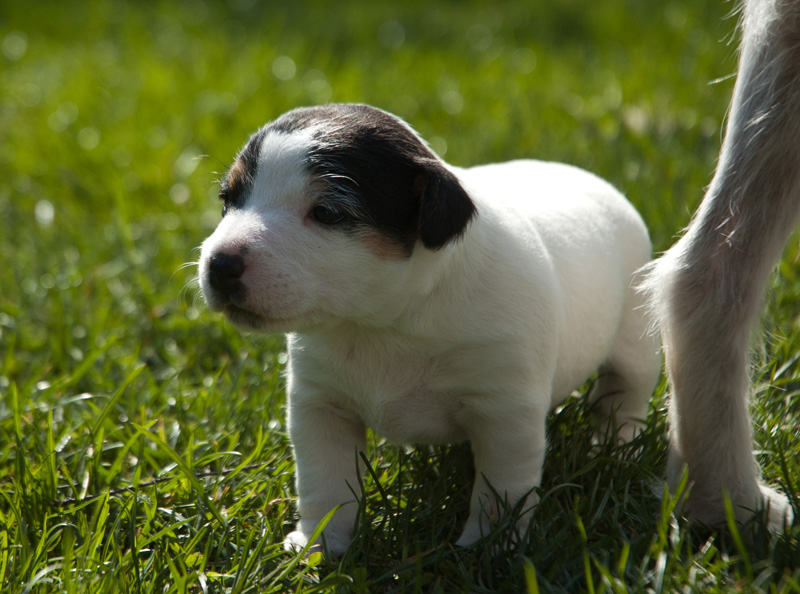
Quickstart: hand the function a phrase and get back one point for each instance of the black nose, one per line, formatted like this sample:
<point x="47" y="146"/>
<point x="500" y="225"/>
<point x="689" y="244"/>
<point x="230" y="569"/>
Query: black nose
<point x="225" y="272"/>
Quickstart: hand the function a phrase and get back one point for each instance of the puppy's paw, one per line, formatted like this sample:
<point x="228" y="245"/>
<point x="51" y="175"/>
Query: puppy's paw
<point x="779" y="509"/>
<point x="296" y="541"/>
<point x="479" y="525"/>
<point x="616" y="431"/>
<point x="335" y="543"/>
<point x="472" y="533"/>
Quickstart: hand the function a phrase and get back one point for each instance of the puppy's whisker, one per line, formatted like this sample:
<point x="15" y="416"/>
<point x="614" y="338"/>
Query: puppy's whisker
<point x="182" y="267"/>
<point x="186" y="265"/>
<point x="192" y="285"/>
<point x="197" y="299"/>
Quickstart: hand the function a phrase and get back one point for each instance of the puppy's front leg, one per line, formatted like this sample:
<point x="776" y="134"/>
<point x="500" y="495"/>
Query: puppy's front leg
<point x="508" y="445"/>
<point x="326" y="443"/>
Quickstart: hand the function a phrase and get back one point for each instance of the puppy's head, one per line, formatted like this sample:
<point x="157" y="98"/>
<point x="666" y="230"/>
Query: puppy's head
<point x="325" y="211"/>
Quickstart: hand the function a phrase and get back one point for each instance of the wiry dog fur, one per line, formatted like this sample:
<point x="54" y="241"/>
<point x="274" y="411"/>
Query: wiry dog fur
<point x="706" y="289"/>
<point x="431" y="303"/>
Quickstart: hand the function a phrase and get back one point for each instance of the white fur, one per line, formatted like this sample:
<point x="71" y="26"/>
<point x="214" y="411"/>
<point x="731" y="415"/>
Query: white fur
<point x="477" y="340"/>
<point x="706" y="289"/>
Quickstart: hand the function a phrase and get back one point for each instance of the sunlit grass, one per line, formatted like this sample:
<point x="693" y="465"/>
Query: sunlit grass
<point x="142" y="445"/>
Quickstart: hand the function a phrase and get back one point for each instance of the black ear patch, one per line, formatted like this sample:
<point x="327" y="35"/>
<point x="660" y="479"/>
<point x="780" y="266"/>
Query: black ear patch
<point x="445" y="208"/>
<point x="386" y="177"/>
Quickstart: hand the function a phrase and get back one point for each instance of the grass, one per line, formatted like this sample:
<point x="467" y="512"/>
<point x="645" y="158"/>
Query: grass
<point x="142" y="445"/>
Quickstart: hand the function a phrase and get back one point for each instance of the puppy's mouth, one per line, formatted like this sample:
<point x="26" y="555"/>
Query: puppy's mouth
<point x="243" y="317"/>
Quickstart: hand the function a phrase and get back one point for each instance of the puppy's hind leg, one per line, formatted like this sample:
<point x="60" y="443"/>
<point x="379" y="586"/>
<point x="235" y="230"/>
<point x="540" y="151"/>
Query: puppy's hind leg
<point x="625" y="383"/>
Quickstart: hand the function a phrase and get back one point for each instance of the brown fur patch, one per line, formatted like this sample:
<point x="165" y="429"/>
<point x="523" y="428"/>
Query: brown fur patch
<point x="382" y="247"/>
<point x="237" y="176"/>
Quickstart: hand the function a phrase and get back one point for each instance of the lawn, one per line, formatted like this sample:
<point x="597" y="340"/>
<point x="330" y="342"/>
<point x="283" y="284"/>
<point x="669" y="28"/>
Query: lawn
<point x="142" y="439"/>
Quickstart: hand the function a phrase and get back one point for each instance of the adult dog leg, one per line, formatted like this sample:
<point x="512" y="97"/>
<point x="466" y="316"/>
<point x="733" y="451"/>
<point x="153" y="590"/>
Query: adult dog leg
<point x="707" y="288"/>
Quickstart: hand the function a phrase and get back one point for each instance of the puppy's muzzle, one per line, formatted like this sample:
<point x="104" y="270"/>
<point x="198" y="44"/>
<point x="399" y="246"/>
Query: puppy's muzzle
<point x="225" y="274"/>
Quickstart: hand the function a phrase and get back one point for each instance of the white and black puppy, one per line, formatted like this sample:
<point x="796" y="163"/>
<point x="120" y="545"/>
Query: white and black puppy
<point x="430" y="303"/>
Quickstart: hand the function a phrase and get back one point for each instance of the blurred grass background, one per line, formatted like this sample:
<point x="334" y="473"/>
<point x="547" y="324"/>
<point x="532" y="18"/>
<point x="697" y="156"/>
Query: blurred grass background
<point x="117" y="117"/>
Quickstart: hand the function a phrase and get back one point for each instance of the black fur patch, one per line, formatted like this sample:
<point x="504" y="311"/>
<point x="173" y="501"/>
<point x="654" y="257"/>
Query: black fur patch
<point x="378" y="166"/>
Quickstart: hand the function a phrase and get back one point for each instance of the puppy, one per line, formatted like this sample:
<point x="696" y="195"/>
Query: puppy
<point x="430" y="303"/>
<point x="706" y="290"/>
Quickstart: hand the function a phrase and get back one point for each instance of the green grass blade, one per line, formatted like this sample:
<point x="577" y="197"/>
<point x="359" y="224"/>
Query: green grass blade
<point x="186" y="471"/>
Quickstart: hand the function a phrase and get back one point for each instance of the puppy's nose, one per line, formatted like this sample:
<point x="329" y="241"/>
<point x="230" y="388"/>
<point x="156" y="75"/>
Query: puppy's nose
<point x="225" y="272"/>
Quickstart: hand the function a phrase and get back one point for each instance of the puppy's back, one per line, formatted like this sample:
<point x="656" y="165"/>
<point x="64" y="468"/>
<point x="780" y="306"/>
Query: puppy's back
<point x="593" y="240"/>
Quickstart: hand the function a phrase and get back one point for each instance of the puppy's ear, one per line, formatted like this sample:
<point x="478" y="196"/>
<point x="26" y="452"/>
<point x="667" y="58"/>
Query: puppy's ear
<point x="445" y="208"/>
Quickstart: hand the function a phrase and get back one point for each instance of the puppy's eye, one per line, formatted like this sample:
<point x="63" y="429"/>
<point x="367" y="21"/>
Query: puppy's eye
<point x="327" y="215"/>
<point x="225" y="195"/>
